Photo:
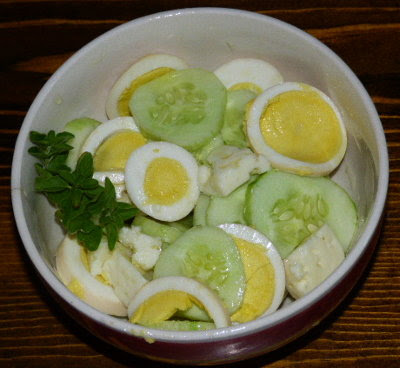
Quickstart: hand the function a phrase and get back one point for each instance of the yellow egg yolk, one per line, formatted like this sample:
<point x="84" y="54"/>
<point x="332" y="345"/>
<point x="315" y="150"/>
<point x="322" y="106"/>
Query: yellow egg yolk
<point x="162" y="306"/>
<point x="301" y="125"/>
<point x="260" y="281"/>
<point x="246" y="85"/>
<point x="166" y="181"/>
<point x="114" y="152"/>
<point x="76" y="287"/>
<point x="123" y="101"/>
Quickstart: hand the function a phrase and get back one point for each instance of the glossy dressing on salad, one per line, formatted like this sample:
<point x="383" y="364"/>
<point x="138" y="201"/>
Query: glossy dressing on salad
<point x="230" y="172"/>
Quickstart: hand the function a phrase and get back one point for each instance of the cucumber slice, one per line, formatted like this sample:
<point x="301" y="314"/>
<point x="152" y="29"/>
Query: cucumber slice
<point x="232" y="130"/>
<point x="186" y="221"/>
<point x="183" y="224"/>
<point x="167" y="234"/>
<point x="288" y="208"/>
<point x="201" y="154"/>
<point x="229" y="209"/>
<point x="179" y="226"/>
<point x="180" y="325"/>
<point x="194" y="313"/>
<point x="209" y="255"/>
<point x="185" y="107"/>
<point x="200" y="211"/>
<point x="81" y="129"/>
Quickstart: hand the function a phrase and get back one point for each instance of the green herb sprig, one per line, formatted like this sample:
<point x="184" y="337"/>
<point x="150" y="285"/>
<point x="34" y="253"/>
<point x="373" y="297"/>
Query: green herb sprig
<point x="84" y="207"/>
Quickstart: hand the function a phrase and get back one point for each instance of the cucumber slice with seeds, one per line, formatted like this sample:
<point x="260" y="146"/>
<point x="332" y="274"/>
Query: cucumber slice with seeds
<point x="288" y="208"/>
<point x="209" y="255"/>
<point x="185" y="107"/>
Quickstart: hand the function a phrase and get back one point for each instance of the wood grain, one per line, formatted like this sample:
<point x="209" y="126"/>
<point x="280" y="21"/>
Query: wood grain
<point x="37" y="36"/>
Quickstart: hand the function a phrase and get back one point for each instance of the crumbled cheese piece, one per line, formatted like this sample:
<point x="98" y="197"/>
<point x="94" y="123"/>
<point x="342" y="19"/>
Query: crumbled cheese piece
<point x="146" y="249"/>
<point x="97" y="258"/>
<point x="203" y="175"/>
<point x="231" y="167"/>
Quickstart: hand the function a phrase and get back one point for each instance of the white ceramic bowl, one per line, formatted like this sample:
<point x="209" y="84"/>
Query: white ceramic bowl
<point x="205" y="37"/>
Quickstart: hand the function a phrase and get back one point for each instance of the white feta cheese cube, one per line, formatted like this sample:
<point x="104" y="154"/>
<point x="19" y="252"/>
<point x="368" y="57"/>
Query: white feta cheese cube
<point x="312" y="262"/>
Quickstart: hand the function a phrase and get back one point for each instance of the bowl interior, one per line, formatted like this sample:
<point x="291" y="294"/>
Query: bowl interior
<point x="204" y="38"/>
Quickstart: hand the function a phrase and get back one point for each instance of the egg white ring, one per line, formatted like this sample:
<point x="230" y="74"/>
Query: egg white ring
<point x="69" y="267"/>
<point x="255" y="71"/>
<point x="105" y="130"/>
<point x="211" y="302"/>
<point x="253" y="236"/>
<point x="119" y="191"/>
<point x="142" y="66"/>
<point x="278" y="160"/>
<point x="117" y="177"/>
<point x="135" y="174"/>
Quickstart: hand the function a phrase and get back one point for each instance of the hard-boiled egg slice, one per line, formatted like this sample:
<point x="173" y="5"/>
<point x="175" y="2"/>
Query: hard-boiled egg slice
<point x="161" y="180"/>
<point x="265" y="274"/>
<point x="112" y="142"/>
<point x="161" y="298"/>
<point x="252" y="74"/>
<point x="71" y="264"/>
<point x="146" y="69"/>
<point x="312" y="262"/>
<point x="298" y="128"/>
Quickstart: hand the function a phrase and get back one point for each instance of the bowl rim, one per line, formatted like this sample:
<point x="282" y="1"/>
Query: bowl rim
<point x="232" y="331"/>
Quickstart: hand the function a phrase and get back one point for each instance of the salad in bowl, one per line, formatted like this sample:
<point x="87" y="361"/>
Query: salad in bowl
<point x="201" y="185"/>
<point x="204" y="199"/>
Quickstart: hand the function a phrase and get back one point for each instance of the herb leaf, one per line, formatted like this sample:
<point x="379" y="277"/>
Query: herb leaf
<point x="84" y="207"/>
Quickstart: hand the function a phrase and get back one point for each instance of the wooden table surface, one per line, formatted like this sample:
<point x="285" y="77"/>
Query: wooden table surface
<point x="37" y="36"/>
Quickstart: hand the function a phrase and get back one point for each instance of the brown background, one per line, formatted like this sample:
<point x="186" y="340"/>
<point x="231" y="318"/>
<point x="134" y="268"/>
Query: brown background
<point x="36" y="37"/>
